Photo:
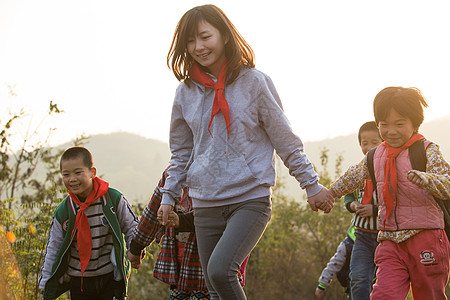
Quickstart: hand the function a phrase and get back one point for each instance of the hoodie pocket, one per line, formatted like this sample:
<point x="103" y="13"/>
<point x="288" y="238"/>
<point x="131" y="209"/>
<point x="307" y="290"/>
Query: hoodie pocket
<point x="219" y="178"/>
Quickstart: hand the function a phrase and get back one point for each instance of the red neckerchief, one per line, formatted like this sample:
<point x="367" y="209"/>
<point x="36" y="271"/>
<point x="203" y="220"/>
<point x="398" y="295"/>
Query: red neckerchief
<point x="220" y="103"/>
<point x="84" y="237"/>
<point x="390" y="172"/>
<point x="368" y="191"/>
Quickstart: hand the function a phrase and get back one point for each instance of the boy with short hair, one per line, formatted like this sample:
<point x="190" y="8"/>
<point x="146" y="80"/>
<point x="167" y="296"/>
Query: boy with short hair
<point x="86" y="250"/>
<point x="364" y="204"/>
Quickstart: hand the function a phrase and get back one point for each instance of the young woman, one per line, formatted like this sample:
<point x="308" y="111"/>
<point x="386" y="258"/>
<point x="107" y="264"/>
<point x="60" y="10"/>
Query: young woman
<point x="227" y="120"/>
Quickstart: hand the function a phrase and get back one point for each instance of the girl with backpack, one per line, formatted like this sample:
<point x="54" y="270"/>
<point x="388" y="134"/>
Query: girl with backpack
<point x="414" y="250"/>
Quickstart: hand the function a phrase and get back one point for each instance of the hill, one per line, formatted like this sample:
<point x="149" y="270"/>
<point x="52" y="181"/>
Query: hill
<point x="133" y="164"/>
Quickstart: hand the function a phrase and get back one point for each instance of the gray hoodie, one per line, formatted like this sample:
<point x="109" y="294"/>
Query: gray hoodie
<point x="220" y="168"/>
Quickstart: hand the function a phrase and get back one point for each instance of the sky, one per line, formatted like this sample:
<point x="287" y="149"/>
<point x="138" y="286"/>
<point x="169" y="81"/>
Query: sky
<point x="104" y="62"/>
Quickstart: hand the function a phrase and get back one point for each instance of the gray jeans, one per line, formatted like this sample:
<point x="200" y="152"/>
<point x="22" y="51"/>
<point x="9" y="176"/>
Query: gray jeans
<point x="225" y="237"/>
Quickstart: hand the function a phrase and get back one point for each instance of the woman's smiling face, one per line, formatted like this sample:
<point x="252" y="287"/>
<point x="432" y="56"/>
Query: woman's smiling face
<point x="207" y="47"/>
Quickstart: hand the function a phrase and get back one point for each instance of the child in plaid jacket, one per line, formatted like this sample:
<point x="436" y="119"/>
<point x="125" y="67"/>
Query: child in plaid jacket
<point x="178" y="262"/>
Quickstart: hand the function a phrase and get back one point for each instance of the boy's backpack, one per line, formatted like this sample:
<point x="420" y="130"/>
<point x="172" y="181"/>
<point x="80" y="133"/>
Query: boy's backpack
<point x="418" y="159"/>
<point x="343" y="275"/>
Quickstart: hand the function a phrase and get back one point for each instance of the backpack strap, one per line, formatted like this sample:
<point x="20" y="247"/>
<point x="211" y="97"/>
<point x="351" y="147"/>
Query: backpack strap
<point x="370" y="155"/>
<point x="418" y="158"/>
<point x="370" y="166"/>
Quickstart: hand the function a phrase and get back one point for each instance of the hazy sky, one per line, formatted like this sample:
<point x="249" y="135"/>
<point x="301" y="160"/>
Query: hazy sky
<point x="104" y="62"/>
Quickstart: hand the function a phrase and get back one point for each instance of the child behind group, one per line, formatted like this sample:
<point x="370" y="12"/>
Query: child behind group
<point x="86" y="250"/>
<point x="414" y="248"/>
<point x="338" y="265"/>
<point x="362" y="266"/>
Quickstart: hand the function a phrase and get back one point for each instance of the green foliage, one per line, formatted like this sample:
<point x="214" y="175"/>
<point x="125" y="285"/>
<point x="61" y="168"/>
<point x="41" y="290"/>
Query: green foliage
<point x="27" y="202"/>
<point x="26" y="207"/>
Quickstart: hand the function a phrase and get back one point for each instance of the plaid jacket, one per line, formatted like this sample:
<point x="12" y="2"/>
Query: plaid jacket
<point x="189" y="275"/>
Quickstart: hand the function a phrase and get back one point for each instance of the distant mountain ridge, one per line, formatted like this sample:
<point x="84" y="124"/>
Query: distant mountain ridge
<point x="131" y="163"/>
<point x="134" y="164"/>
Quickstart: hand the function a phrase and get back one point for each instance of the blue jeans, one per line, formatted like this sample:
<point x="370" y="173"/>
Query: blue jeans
<point x="225" y="237"/>
<point x="362" y="266"/>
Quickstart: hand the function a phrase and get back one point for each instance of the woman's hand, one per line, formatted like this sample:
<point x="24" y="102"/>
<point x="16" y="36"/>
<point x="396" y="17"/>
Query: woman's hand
<point x="163" y="213"/>
<point x="322" y="200"/>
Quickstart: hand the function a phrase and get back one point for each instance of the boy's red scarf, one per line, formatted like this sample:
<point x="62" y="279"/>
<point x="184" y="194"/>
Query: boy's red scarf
<point x="368" y="191"/>
<point x="220" y="103"/>
<point x="390" y="172"/>
<point x="84" y="237"/>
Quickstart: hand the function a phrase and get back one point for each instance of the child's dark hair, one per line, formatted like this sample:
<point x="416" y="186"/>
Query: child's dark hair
<point x="75" y="152"/>
<point x="368" y="126"/>
<point x="237" y="51"/>
<point x="408" y="102"/>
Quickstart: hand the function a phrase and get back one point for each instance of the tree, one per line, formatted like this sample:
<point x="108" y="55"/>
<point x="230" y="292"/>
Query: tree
<point x="26" y="205"/>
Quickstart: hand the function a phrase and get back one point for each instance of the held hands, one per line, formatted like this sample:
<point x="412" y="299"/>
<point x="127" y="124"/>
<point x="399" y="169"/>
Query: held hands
<point x="163" y="213"/>
<point x="173" y="220"/>
<point x="172" y="217"/>
<point x="135" y="260"/>
<point x="322" y="200"/>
